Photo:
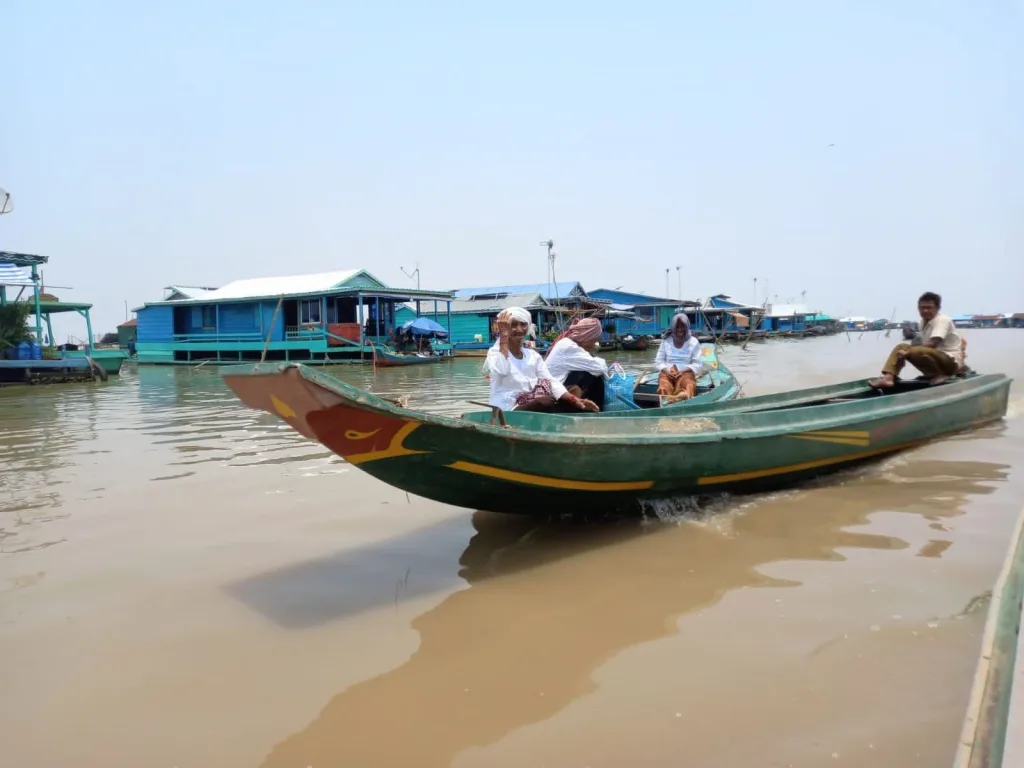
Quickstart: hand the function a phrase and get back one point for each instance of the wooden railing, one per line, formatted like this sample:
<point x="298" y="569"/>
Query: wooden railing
<point x="304" y="332"/>
<point x="217" y="338"/>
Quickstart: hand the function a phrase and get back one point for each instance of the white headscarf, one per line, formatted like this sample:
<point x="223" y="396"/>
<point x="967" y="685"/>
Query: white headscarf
<point x="518" y="313"/>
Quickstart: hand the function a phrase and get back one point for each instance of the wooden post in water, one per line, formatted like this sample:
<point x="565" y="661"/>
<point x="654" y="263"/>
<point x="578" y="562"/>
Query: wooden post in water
<point x="273" y="321"/>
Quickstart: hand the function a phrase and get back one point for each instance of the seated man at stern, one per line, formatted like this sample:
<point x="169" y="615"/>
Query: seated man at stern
<point x="940" y="353"/>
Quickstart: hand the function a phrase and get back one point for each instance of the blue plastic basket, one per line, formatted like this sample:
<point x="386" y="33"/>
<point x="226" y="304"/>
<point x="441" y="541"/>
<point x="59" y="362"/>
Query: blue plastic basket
<point x="618" y="390"/>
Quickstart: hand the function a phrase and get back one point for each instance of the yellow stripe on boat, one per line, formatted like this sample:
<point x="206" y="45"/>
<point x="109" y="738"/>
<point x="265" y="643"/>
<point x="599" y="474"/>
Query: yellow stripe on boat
<point x="863" y="434"/>
<point x="860" y="438"/>
<point x="863" y="442"/>
<point x="395" y="447"/>
<point x="549" y="482"/>
<point x="790" y="468"/>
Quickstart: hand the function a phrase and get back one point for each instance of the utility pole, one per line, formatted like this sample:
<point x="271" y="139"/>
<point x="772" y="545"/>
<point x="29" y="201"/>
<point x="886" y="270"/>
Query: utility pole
<point x="666" y="282"/>
<point x="679" y="279"/>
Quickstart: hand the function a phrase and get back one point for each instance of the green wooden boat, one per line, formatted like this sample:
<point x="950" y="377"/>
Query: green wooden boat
<point x="538" y="464"/>
<point x="990" y="737"/>
<point x="109" y="359"/>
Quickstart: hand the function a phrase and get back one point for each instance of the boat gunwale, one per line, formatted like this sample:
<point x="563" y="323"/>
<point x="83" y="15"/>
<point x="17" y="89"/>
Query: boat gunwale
<point x="368" y="401"/>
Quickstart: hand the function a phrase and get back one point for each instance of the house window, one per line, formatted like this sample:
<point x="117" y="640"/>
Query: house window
<point x="309" y="311"/>
<point x="208" y="317"/>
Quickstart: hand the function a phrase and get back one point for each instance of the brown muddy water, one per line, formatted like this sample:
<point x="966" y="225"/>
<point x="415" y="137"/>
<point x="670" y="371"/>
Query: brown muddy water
<point x="187" y="583"/>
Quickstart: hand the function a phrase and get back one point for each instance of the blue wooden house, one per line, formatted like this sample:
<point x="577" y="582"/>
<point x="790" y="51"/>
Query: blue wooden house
<point x="333" y="316"/>
<point x="990" y="321"/>
<point x="473" y="320"/>
<point x="636" y="314"/>
<point x="721" y="316"/>
<point x="787" y="318"/>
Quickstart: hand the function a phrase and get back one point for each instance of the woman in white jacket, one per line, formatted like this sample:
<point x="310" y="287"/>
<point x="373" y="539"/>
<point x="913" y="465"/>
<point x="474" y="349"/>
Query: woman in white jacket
<point x="571" y="362"/>
<point x="679" y="361"/>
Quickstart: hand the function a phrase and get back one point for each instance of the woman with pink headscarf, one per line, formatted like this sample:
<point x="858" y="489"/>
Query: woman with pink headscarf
<point x="570" y="362"/>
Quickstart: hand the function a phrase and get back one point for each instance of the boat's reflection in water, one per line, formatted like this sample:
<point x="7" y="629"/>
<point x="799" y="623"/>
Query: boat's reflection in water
<point x="548" y="603"/>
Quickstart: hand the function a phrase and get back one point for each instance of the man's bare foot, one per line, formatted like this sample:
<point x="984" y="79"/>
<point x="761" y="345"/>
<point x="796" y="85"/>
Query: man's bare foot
<point x="938" y="380"/>
<point x="885" y="381"/>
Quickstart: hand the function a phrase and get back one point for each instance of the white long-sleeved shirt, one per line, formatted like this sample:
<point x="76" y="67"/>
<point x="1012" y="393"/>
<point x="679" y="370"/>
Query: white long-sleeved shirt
<point x="568" y="356"/>
<point x="511" y="376"/>
<point x="686" y="356"/>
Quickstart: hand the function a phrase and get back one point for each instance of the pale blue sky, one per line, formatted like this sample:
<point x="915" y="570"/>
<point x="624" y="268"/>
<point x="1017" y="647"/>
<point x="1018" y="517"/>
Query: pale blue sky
<point x="197" y="142"/>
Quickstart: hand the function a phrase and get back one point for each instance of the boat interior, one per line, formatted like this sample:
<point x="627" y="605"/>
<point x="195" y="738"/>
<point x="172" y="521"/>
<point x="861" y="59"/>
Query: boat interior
<point x="814" y="398"/>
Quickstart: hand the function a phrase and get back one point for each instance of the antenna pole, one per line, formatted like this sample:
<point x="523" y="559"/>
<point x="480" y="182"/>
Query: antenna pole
<point x="414" y="274"/>
<point x="553" y="281"/>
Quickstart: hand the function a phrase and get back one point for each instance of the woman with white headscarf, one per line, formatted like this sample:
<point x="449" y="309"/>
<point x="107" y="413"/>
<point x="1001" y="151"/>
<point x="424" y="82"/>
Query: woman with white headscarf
<point x="679" y="361"/>
<point x="520" y="379"/>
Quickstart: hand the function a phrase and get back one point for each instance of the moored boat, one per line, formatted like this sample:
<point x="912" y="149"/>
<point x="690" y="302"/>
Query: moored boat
<point x="635" y="343"/>
<point x="384" y="358"/>
<point x="537" y="464"/>
<point x="109" y="359"/>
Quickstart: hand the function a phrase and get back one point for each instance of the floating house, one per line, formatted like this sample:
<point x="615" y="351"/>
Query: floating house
<point x="38" y="358"/>
<point x="721" y="316"/>
<point x="989" y="321"/>
<point x="636" y="314"/>
<point x="963" y="321"/>
<point x="787" y="318"/>
<point x="128" y="334"/>
<point x="473" y="320"/>
<point x="1017" y="320"/>
<point x="326" y="317"/>
<point x="474" y="311"/>
<point x="862" y="323"/>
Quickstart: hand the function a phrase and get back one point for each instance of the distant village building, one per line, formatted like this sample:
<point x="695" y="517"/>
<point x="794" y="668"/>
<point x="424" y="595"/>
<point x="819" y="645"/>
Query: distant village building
<point x="332" y="315"/>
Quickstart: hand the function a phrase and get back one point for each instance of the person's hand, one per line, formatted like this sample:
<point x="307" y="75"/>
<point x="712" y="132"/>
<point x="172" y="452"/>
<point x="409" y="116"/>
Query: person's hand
<point x="504" y="323"/>
<point x="901" y="353"/>
<point x="588" y="405"/>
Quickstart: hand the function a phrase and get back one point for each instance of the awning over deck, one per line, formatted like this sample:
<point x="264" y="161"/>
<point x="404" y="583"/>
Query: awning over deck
<point x="13" y="275"/>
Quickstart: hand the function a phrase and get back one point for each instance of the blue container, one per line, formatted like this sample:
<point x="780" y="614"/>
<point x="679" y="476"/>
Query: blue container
<point x="24" y="351"/>
<point x="37" y="350"/>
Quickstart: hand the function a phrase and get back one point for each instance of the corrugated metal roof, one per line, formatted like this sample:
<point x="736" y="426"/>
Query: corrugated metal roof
<point x="190" y="291"/>
<point x="485" y="306"/>
<point x="787" y="310"/>
<point x="635" y="299"/>
<point x="276" y="286"/>
<point x="559" y="290"/>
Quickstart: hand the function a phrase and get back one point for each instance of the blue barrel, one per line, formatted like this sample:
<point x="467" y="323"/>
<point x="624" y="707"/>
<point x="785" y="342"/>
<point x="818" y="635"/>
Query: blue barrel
<point x="37" y="350"/>
<point x="24" y="351"/>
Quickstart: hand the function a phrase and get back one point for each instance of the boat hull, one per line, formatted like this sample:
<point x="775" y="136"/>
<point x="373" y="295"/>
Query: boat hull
<point x="110" y="360"/>
<point x="579" y="465"/>
<point x="387" y="360"/>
